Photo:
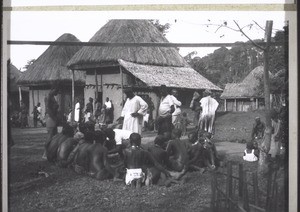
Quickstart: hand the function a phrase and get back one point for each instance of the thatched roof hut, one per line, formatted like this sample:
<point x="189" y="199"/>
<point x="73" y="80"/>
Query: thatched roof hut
<point x="51" y="67"/>
<point x="127" y="31"/>
<point x="177" y="77"/>
<point x="248" y="88"/>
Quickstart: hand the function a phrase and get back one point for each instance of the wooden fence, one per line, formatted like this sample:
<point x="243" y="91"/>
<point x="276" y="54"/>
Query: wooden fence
<point x="235" y="189"/>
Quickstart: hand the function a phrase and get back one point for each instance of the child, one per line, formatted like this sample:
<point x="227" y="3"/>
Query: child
<point x="184" y="123"/>
<point x="250" y="153"/>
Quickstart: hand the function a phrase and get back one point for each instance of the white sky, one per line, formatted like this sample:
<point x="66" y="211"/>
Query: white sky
<point x="190" y="27"/>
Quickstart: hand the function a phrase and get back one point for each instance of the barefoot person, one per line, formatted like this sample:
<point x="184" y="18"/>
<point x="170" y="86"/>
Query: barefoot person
<point x="52" y="116"/>
<point x="177" y="151"/>
<point x="137" y="160"/>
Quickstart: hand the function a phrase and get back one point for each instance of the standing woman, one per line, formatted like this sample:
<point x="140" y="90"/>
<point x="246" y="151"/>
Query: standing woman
<point x="52" y="116"/>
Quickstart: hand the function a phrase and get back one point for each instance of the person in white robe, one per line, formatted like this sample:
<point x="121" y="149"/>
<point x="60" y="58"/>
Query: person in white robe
<point x="133" y="112"/>
<point x="77" y="111"/>
<point x="209" y="106"/>
<point x="177" y="105"/>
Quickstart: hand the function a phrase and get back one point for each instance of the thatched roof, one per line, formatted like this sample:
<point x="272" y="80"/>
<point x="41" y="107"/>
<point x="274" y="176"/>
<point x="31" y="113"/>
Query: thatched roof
<point x="51" y="67"/>
<point x="127" y="31"/>
<point x="13" y="75"/>
<point x="176" y="77"/>
<point x="248" y="88"/>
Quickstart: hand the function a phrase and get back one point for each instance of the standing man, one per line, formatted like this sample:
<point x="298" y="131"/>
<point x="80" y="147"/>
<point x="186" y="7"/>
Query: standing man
<point x="77" y="111"/>
<point x="89" y="109"/>
<point x="23" y="115"/>
<point x="209" y="106"/>
<point x="133" y="112"/>
<point x="165" y="110"/>
<point x="195" y="106"/>
<point x="177" y="105"/>
<point x="52" y="119"/>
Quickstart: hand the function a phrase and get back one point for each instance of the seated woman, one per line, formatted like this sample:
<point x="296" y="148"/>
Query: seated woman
<point x="177" y="151"/>
<point x="91" y="157"/>
<point x="66" y="147"/>
<point x="52" y="146"/>
<point x="251" y="153"/>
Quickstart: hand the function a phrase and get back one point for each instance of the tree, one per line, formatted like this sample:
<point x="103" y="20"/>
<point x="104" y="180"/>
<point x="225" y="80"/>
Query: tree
<point x="163" y="28"/>
<point x="29" y="62"/>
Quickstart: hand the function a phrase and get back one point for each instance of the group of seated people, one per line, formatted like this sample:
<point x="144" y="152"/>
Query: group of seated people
<point x="118" y="154"/>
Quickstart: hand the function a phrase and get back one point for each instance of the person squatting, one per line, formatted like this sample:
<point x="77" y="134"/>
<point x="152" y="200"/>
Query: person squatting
<point x="119" y="154"/>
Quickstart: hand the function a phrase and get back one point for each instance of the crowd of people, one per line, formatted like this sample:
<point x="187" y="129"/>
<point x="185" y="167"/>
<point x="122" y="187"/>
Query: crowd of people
<point x="108" y="152"/>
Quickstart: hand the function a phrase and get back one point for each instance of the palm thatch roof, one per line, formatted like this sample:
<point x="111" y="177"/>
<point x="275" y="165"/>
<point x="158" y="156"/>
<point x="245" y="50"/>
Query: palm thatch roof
<point x="50" y="67"/>
<point x="127" y="31"/>
<point x="13" y="75"/>
<point x="176" y="77"/>
<point x="248" y="88"/>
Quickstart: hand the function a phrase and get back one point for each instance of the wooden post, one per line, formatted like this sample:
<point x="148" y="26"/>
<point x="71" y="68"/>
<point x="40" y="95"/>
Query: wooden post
<point x="235" y="105"/>
<point x="122" y="85"/>
<point x="256" y="103"/>
<point x="268" y="131"/>
<point x="32" y="94"/>
<point x="241" y="180"/>
<point x="225" y="105"/>
<point x="73" y="95"/>
<point x="97" y="90"/>
<point x="229" y="186"/>
<point x="20" y="96"/>
<point x="255" y="187"/>
<point x="213" y="192"/>
<point x="245" y="195"/>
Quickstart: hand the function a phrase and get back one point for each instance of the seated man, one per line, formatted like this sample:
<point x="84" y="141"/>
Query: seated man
<point x="52" y="146"/>
<point x="160" y="155"/>
<point x="91" y="157"/>
<point x="210" y="154"/>
<point x="258" y="129"/>
<point x="177" y="151"/>
<point x="137" y="160"/>
<point x="66" y="148"/>
<point x="118" y="140"/>
<point x="196" y="160"/>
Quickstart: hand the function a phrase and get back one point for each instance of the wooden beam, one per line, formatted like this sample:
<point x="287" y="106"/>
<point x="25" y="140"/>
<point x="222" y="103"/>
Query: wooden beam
<point x="20" y="95"/>
<point x="73" y="95"/>
<point x="122" y="84"/>
<point x="225" y="104"/>
<point x="102" y="44"/>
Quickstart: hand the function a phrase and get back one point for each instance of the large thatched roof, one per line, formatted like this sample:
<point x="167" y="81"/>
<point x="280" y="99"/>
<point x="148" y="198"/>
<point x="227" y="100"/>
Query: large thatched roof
<point x="176" y="77"/>
<point x="127" y="31"/>
<point x="248" y="88"/>
<point x="51" y="67"/>
<point x="13" y="75"/>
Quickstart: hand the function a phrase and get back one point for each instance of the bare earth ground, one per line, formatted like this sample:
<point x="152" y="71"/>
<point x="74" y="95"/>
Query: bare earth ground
<point x="64" y="190"/>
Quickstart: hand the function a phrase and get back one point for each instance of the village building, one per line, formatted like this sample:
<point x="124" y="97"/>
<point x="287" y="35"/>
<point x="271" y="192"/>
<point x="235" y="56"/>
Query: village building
<point x="15" y="92"/>
<point x="110" y="69"/>
<point x="50" y="69"/>
<point x="247" y="95"/>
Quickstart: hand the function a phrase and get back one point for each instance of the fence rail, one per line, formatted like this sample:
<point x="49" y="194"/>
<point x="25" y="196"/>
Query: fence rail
<point x="233" y="194"/>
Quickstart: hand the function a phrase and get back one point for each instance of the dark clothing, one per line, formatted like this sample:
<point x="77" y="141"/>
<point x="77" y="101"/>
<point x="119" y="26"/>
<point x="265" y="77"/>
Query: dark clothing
<point x="23" y="115"/>
<point x="164" y="124"/>
<point x="258" y="130"/>
<point x="89" y="108"/>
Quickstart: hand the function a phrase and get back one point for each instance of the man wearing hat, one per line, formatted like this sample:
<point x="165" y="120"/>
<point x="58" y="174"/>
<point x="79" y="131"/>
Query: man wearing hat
<point x="133" y="112"/>
<point x="209" y="106"/>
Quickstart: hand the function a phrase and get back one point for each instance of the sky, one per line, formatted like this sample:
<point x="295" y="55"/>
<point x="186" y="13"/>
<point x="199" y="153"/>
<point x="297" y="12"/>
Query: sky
<point x="186" y="27"/>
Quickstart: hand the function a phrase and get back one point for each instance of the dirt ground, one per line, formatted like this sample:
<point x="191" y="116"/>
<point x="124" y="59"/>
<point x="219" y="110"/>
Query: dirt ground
<point x="58" y="189"/>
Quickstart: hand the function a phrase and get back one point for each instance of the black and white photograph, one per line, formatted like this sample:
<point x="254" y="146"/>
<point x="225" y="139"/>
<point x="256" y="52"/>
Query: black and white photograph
<point x="148" y="111"/>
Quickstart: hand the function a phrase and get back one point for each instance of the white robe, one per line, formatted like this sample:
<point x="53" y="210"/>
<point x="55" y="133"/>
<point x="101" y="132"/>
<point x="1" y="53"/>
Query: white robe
<point x="77" y="112"/>
<point x="209" y="106"/>
<point x="134" y="105"/>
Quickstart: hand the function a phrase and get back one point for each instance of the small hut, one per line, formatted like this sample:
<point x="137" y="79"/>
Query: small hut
<point x="110" y="69"/>
<point x="15" y="92"/>
<point x="50" y="69"/>
<point x="247" y="95"/>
